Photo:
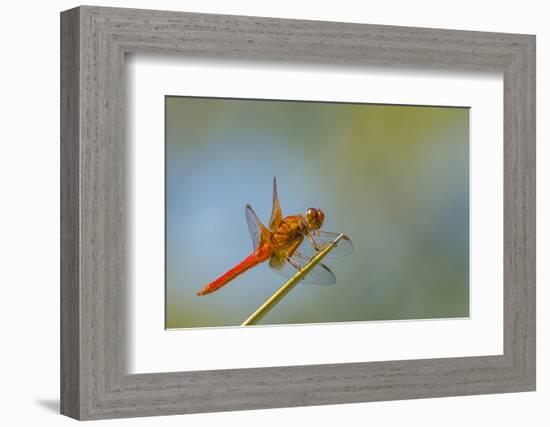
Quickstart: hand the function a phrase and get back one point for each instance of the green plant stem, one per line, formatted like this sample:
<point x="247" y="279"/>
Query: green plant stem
<point x="255" y="317"/>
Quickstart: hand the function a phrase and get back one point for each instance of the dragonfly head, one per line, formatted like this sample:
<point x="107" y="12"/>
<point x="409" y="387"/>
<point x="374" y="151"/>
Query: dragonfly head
<point x="314" y="218"/>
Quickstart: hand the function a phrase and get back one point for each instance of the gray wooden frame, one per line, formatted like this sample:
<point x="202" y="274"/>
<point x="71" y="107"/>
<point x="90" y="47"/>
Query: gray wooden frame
<point x="94" y="382"/>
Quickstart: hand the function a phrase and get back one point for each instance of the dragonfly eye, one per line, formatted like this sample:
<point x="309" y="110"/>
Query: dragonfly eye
<point x="315" y="218"/>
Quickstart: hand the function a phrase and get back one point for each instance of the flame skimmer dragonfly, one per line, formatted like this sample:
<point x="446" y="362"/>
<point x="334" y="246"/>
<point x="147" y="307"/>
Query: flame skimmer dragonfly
<point x="281" y="244"/>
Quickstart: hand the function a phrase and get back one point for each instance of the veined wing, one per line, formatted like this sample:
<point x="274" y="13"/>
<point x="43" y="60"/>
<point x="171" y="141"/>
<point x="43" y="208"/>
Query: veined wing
<point x="258" y="231"/>
<point x="276" y="212"/>
<point x="318" y="275"/>
<point x="322" y="238"/>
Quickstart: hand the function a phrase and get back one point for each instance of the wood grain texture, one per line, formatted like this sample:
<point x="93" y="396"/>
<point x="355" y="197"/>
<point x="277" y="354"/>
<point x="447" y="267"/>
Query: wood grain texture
<point x="94" y="381"/>
<point x="70" y="221"/>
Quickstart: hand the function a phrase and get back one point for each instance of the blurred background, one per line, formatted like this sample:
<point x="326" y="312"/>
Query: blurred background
<point x="393" y="178"/>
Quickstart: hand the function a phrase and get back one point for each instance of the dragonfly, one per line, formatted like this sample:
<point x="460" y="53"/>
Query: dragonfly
<point x="288" y="243"/>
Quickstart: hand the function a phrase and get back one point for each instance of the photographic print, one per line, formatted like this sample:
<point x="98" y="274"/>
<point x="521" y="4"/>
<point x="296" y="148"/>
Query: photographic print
<point x="361" y="209"/>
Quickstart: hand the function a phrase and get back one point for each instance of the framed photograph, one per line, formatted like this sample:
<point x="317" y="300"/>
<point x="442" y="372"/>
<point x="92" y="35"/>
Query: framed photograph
<point x="261" y="213"/>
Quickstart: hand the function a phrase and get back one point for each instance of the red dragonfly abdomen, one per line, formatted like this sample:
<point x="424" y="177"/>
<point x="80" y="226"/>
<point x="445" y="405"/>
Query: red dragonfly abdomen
<point x="263" y="253"/>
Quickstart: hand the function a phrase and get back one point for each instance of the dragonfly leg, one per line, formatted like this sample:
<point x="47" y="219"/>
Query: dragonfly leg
<point x="294" y="264"/>
<point x="291" y="252"/>
<point x="314" y="243"/>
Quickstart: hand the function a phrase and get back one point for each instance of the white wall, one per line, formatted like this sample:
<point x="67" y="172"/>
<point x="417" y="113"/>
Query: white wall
<point x="29" y="233"/>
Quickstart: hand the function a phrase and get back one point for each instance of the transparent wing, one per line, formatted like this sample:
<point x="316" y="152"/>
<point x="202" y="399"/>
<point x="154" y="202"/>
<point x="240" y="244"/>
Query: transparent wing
<point x="322" y="238"/>
<point x="258" y="231"/>
<point x="319" y="275"/>
<point x="276" y="212"/>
